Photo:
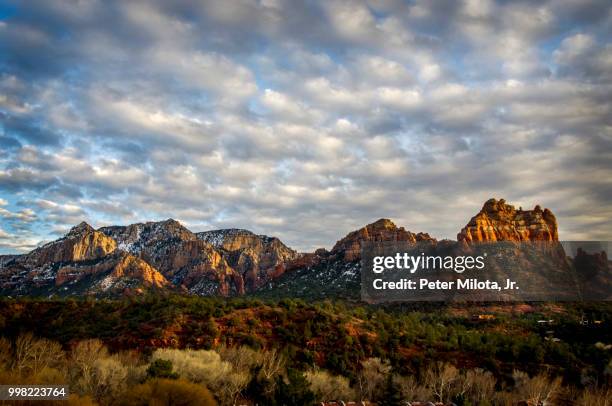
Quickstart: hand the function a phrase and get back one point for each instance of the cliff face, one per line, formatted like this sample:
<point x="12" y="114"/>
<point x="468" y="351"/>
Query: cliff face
<point x="112" y="274"/>
<point x="176" y="252"/>
<point x="223" y="262"/>
<point x="382" y="230"/>
<point x="499" y="221"/>
<point x="256" y="258"/>
<point x="80" y="244"/>
<point x="166" y="255"/>
<point x="84" y="261"/>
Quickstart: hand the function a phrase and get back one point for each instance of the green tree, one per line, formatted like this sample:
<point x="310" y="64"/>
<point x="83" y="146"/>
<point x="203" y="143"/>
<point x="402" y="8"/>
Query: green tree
<point x="391" y="395"/>
<point x="161" y="368"/>
<point x="296" y="391"/>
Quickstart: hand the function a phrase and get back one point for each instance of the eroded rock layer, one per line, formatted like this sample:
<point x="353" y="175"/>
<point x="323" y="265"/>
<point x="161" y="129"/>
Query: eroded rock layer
<point x="382" y="230"/>
<point x="499" y="221"/>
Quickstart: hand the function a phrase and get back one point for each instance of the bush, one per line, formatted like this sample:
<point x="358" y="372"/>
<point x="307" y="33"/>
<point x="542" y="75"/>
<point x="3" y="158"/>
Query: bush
<point x="168" y="392"/>
<point x="32" y="355"/>
<point x="295" y="391"/>
<point x="161" y="368"/>
<point x="110" y="376"/>
<point x="208" y="368"/>
<point x="327" y="387"/>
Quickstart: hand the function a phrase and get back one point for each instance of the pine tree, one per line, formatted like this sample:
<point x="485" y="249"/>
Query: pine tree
<point x="296" y="391"/>
<point x="391" y="395"/>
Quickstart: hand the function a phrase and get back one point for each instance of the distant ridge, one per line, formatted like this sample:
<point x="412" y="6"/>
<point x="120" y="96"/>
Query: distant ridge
<point x="166" y="256"/>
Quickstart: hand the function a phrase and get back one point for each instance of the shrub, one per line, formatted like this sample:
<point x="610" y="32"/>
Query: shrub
<point x="371" y="378"/>
<point x="83" y="359"/>
<point x="195" y="365"/>
<point x="295" y="391"/>
<point x="32" y="355"/>
<point x="168" y="392"/>
<point x="208" y="368"/>
<point x="5" y="353"/>
<point x="161" y="368"/>
<point x="110" y="377"/>
<point x="326" y="386"/>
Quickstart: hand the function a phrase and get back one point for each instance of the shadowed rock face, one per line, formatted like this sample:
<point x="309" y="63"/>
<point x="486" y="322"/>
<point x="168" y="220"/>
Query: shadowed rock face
<point x="382" y="230"/>
<point x="499" y="221"/>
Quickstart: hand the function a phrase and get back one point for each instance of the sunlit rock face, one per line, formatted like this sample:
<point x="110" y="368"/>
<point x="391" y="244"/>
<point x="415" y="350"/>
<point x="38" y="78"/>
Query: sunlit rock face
<point x="499" y="221"/>
<point x="167" y="255"/>
<point x="189" y="263"/>
<point x="83" y="262"/>
<point x="257" y="258"/>
<point x="382" y="230"/>
<point x="113" y="273"/>
<point x="81" y="243"/>
<point x="226" y="262"/>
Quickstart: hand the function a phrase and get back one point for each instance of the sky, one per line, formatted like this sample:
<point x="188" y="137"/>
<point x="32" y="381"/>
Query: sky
<point x="302" y="119"/>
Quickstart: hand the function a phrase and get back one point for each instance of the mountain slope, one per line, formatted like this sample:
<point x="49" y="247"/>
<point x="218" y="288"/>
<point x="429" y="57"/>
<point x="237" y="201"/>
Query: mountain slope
<point x="257" y="258"/>
<point x="336" y="273"/>
<point x="84" y="261"/>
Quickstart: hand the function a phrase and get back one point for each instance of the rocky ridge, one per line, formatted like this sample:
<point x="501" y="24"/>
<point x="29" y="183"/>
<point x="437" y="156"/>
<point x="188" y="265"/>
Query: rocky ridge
<point x="166" y="255"/>
<point x="379" y="231"/>
<point x="257" y="258"/>
<point x="499" y="221"/>
<point x="84" y="261"/>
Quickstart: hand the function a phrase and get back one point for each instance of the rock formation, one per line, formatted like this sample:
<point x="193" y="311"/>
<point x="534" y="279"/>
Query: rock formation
<point x="166" y="255"/>
<point x="84" y="261"/>
<point x="114" y="272"/>
<point x="257" y="258"/>
<point x="382" y="230"/>
<point x="178" y="254"/>
<point x="81" y="243"/>
<point x="499" y="221"/>
<point x="227" y="262"/>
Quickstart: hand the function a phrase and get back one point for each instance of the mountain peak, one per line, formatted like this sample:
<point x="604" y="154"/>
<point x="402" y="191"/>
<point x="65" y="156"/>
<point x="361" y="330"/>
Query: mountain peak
<point x="500" y="221"/>
<point x="380" y="230"/>
<point x="383" y="223"/>
<point x="81" y="228"/>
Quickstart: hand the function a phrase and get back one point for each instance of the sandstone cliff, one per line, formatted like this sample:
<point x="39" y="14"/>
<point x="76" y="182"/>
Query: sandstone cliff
<point x="382" y="230"/>
<point x="257" y="258"/>
<point x="113" y="273"/>
<point x="80" y="244"/>
<point x="499" y="221"/>
<point x="84" y="261"/>
<point x="177" y="253"/>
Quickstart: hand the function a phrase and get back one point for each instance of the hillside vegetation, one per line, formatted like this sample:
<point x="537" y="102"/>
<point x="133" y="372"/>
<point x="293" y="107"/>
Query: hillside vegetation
<point x="271" y="351"/>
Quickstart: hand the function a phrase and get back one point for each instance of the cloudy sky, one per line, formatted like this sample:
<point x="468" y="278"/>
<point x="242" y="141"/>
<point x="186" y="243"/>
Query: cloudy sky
<point x="302" y="119"/>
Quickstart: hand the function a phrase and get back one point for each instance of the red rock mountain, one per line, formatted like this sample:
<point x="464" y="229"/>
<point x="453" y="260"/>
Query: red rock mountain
<point x="499" y="221"/>
<point x="81" y="243"/>
<point x="257" y="258"/>
<point x="84" y="261"/>
<point x="226" y="262"/>
<point x="382" y="230"/>
<point x="166" y="255"/>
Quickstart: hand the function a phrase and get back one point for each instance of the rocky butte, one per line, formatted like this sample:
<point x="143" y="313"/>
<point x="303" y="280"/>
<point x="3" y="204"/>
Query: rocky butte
<point x="349" y="247"/>
<point x="499" y="221"/>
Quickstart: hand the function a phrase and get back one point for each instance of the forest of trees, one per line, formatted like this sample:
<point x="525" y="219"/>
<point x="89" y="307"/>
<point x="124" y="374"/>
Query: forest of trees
<point x="244" y="351"/>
